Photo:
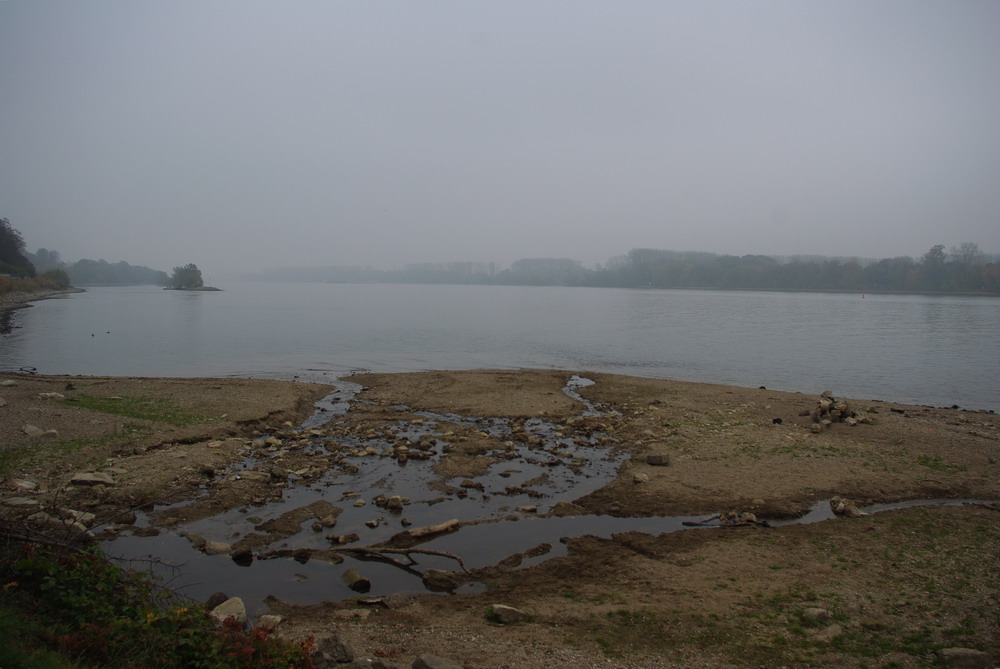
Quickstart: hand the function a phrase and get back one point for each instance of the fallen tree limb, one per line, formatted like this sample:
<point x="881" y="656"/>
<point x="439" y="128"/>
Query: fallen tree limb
<point x="382" y="551"/>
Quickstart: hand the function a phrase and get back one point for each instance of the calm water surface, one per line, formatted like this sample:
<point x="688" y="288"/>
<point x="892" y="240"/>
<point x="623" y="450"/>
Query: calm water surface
<point x="906" y="348"/>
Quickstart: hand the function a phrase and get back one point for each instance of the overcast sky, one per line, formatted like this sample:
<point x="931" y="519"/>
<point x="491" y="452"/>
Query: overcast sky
<point x="246" y="134"/>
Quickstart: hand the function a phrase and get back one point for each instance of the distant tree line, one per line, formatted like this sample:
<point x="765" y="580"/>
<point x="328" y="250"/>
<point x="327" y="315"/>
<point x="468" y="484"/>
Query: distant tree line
<point x="962" y="269"/>
<point x="97" y="272"/>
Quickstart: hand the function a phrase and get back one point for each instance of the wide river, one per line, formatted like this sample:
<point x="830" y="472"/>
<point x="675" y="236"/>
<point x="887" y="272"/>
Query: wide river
<point x="933" y="350"/>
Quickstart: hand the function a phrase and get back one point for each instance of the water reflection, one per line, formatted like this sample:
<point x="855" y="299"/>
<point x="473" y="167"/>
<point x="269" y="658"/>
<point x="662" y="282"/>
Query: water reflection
<point x="907" y="348"/>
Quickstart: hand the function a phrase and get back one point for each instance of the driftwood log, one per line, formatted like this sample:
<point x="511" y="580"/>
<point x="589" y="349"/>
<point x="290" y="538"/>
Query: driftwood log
<point x="382" y="551"/>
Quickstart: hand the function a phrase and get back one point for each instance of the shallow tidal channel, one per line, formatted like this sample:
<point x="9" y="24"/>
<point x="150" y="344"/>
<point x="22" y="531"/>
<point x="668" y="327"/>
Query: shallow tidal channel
<point x="512" y="512"/>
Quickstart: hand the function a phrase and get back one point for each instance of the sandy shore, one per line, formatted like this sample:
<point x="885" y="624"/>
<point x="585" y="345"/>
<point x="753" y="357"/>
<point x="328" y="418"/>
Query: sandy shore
<point x="895" y="587"/>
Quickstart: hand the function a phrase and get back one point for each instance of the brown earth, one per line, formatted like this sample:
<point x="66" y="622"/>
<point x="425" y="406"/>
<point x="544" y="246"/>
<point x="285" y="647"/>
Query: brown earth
<point x="893" y="587"/>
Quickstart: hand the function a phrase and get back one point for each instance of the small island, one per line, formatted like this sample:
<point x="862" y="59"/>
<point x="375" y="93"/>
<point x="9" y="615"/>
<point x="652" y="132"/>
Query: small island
<point x="188" y="277"/>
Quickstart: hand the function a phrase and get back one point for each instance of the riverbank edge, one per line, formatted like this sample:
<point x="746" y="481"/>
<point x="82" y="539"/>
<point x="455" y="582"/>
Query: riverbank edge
<point x="11" y="302"/>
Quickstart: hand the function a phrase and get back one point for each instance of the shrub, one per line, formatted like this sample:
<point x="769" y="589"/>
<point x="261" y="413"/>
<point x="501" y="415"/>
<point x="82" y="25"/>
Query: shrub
<point x="80" y="607"/>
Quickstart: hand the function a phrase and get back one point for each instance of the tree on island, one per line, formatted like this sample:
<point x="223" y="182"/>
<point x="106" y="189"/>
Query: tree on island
<point x="186" y="278"/>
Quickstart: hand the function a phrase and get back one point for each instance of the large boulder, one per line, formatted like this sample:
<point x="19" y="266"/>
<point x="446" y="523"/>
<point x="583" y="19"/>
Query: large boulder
<point x="231" y="608"/>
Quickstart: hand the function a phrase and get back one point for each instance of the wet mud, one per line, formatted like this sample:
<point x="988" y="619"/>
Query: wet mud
<point x="340" y="497"/>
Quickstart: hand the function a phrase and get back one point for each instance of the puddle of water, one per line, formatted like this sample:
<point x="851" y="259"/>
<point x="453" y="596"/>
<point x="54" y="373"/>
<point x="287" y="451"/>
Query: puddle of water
<point x="583" y="466"/>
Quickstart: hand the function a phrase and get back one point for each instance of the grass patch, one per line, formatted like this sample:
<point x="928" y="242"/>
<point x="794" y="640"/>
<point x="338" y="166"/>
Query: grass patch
<point x="142" y="408"/>
<point x="10" y="460"/>
<point x="938" y="465"/>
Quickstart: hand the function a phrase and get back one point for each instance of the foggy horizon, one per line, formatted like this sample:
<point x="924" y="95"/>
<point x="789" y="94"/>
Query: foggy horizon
<point x="249" y="136"/>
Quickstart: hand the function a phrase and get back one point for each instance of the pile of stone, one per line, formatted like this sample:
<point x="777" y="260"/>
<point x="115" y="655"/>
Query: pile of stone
<point x="830" y="410"/>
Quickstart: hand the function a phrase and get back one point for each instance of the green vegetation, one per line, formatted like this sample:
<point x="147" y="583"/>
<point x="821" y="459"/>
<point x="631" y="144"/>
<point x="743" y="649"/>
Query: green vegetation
<point x="12" y="260"/>
<point x="100" y="272"/>
<point x="142" y="408"/>
<point x="938" y="465"/>
<point x="900" y="588"/>
<point x="61" y="609"/>
<point x="186" y="278"/>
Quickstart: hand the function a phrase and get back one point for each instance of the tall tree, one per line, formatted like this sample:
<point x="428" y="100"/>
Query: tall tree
<point x="12" y="260"/>
<point x="967" y="253"/>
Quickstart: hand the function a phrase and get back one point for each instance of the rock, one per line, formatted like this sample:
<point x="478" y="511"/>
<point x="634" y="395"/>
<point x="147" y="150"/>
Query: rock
<point x="640" y="478"/>
<point x="51" y="396"/>
<point x="126" y="518"/>
<point x="196" y="540"/>
<point x="216" y="548"/>
<point x="3" y="402"/>
<point x="341" y="539"/>
<point x="353" y="579"/>
<point x="964" y="658"/>
<point x="32" y="430"/>
<point x="567" y="509"/>
<point x="42" y="518"/>
<point x="215" y="599"/>
<point x="845" y="507"/>
<point x="250" y="475"/>
<point x="7" y="383"/>
<point x="658" y="459"/>
<point x="434" y="662"/>
<point x="22" y="485"/>
<point x="92" y="478"/>
<point x="269" y="622"/>
<point x="336" y="648"/>
<point x="506" y="615"/>
<point x="19" y="501"/>
<point x="243" y="557"/>
<point x="439" y="580"/>
<point x="82" y="517"/>
<point x="231" y="608"/>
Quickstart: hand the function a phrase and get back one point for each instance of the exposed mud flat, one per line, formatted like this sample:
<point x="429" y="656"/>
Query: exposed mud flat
<point x="522" y="460"/>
